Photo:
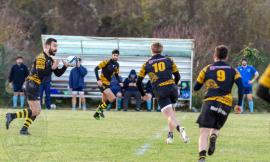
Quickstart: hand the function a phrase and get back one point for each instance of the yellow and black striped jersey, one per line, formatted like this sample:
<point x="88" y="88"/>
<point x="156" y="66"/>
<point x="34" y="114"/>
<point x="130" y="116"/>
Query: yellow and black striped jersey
<point x="108" y="69"/>
<point x="265" y="78"/>
<point x="42" y="67"/>
<point x="219" y="79"/>
<point x="160" y="70"/>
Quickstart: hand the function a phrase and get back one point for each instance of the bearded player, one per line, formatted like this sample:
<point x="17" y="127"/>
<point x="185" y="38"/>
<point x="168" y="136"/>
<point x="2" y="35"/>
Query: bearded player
<point x="44" y="65"/>
<point x="108" y="69"/>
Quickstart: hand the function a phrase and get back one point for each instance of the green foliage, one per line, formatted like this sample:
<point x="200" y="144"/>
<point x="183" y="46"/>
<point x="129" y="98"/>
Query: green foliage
<point x="254" y="56"/>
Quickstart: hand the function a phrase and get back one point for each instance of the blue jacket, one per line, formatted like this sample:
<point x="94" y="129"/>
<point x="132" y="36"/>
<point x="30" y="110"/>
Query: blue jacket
<point x="76" y="77"/>
<point x="18" y="74"/>
<point x="131" y="80"/>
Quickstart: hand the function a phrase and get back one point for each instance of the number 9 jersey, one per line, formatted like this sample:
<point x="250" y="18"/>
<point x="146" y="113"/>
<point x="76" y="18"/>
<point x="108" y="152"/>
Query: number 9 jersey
<point x="219" y="79"/>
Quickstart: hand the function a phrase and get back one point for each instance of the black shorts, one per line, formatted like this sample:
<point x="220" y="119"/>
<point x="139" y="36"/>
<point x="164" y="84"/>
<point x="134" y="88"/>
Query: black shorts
<point x="213" y="115"/>
<point x="102" y="89"/>
<point x="166" y="95"/>
<point x="17" y="87"/>
<point x="32" y="91"/>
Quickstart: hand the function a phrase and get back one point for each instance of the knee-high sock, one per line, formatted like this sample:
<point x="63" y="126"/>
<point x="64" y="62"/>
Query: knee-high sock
<point x="103" y="105"/>
<point x="15" y="100"/>
<point x="25" y="113"/>
<point x="28" y="122"/>
<point x="119" y="103"/>
<point x="22" y="101"/>
<point x="149" y="105"/>
<point x="251" y="106"/>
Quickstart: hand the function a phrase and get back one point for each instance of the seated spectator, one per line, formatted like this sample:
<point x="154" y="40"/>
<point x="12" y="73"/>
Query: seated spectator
<point x="149" y="90"/>
<point x="76" y="83"/>
<point x="184" y="89"/>
<point x="17" y="76"/>
<point x="131" y="90"/>
<point x="117" y="90"/>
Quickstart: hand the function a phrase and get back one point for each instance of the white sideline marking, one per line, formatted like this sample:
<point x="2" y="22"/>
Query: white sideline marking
<point x="143" y="149"/>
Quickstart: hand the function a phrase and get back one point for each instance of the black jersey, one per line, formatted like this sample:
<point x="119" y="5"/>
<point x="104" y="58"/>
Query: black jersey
<point x="159" y="69"/>
<point x="108" y="69"/>
<point x="42" y="67"/>
<point x="219" y="79"/>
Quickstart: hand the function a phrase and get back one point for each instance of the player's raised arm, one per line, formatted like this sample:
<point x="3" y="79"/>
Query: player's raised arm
<point x="59" y="72"/>
<point x="201" y="79"/>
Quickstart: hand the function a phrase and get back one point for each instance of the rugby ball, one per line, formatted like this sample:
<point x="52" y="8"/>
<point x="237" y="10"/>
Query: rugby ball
<point x="72" y="60"/>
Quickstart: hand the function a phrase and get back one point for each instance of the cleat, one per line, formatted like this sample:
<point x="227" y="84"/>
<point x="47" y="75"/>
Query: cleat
<point x="169" y="140"/>
<point x="184" y="135"/>
<point x="8" y="120"/>
<point x="212" y="145"/>
<point x="101" y="113"/>
<point x="201" y="159"/>
<point x="96" y="116"/>
<point x="24" y="132"/>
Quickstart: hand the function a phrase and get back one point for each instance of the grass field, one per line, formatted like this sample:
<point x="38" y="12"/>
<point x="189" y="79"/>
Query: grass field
<point x="62" y="135"/>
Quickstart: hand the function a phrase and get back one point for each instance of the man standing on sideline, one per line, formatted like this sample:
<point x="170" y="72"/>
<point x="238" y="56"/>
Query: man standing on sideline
<point x="17" y="76"/>
<point x="249" y="75"/>
<point x="76" y="83"/>
<point x="45" y="86"/>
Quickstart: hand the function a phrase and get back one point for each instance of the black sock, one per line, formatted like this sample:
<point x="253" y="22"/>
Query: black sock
<point x="213" y="137"/>
<point x="25" y="113"/>
<point x="170" y="134"/>
<point x="178" y="128"/>
<point x="103" y="105"/>
<point x="28" y="122"/>
<point x="202" y="154"/>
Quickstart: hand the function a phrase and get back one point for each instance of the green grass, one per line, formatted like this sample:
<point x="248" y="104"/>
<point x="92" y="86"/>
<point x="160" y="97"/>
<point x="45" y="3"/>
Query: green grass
<point x="63" y="135"/>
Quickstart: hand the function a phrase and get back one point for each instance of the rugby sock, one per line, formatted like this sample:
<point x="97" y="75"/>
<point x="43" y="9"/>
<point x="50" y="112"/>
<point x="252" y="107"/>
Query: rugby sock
<point x="149" y="105"/>
<point x="22" y="101"/>
<point x="243" y="105"/>
<point x="84" y="106"/>
<point x="213" y="137"/>
<point x="73" y="106"/>
<point x="251" y="106"/>
<point x="178" y="128"/>
<point x="25" y="113"/>
<point x="15" y="100"/>
<point x="28" y="122"/>
<point x="202" y="154"/>
<point x="170" y="134"/>
<point x="119" y="103"/>
<point x="103" y="105"/>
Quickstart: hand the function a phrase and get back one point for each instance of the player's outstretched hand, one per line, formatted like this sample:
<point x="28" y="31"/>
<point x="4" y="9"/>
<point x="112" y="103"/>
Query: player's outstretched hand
<point x="237" y="109"/>
<point x="66" y="64"/>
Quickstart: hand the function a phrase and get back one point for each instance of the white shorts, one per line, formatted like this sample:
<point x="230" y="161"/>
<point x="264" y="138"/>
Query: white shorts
<point x="77" y="92"/>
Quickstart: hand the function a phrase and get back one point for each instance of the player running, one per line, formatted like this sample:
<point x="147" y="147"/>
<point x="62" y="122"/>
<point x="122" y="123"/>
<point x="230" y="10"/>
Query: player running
<point x="219" y="78"/>
<point x="264" y="85"/>
<point x="108" y="69"/>
<point x="160" y="70"/>
<point x="43" y="66"/>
